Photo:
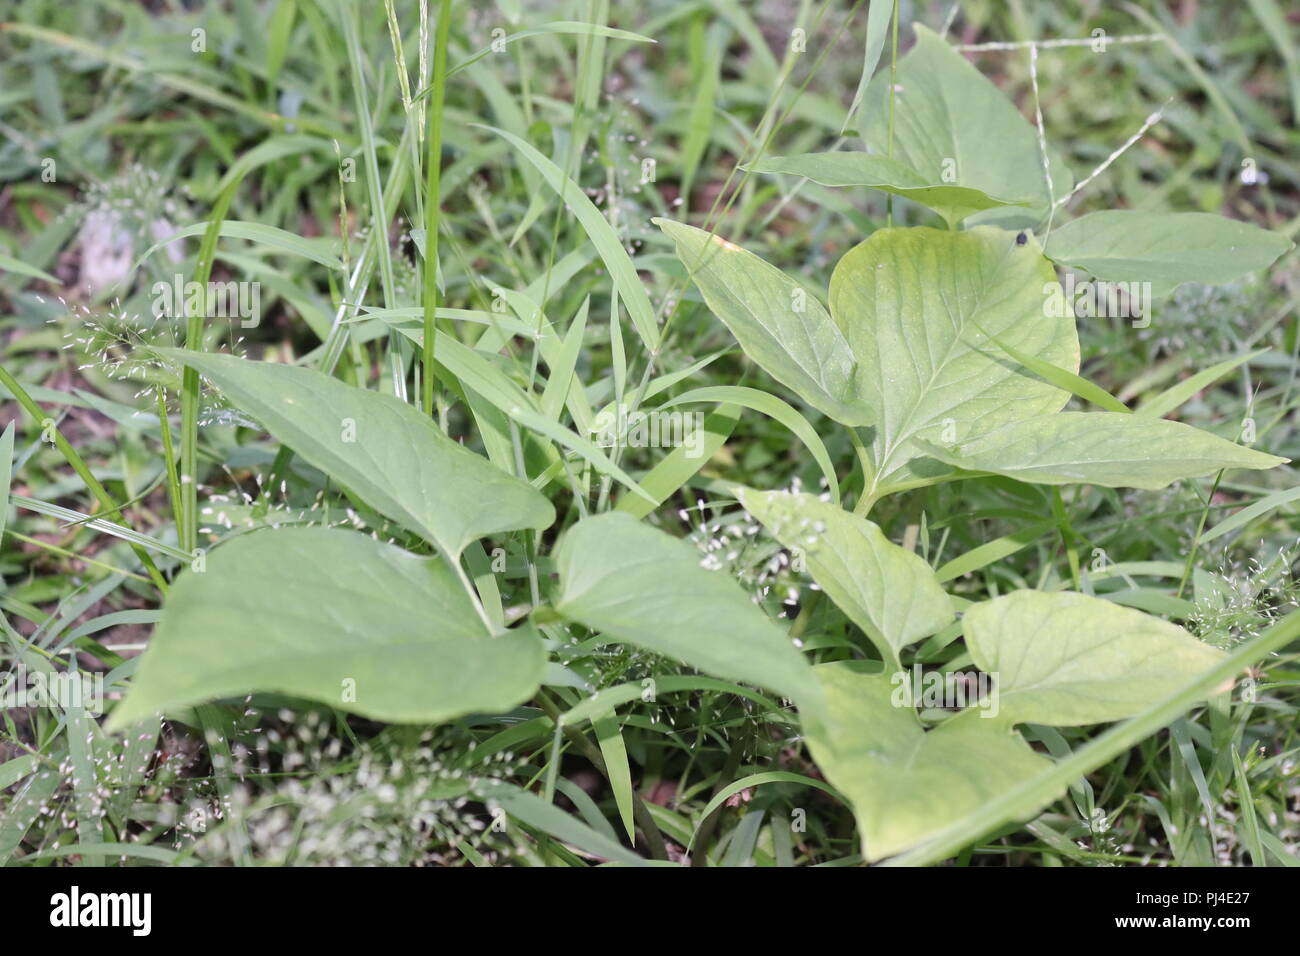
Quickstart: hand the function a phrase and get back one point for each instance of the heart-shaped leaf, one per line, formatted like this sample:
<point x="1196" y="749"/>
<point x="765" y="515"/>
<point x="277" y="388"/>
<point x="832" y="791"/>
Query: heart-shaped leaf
<point x="778" y="324"/>
<point x="333" y="616"/>
<point x="906" y="784"/>
<point x="920" y="308"/>
<point x="1165" y="248"/>
<point x="1110" y="449"/>
<point x="889" y="592"/>
<point x="382" y="449"/>
<point x="1065" y="659"/>
<point x="640" y="586"/>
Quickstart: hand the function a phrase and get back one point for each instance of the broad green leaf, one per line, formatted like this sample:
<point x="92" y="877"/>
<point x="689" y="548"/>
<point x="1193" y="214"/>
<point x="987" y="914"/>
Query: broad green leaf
<point x="1104" y="747"/>
<point x="954" y="127"/>
<point x="905" y="784"/>
<point x="641" y="586"/>
<point x="1067" y="659"/>
<point x="889" y="592"/>
<point x="1165" y="248"/>
<point x="1100" y="448"/>
<point x="382" y="449"/>
<point x="333" y="616"/>
<point x="919" y="307"/>
<point x="778" y="324"/>
<point x="951" y="201"/>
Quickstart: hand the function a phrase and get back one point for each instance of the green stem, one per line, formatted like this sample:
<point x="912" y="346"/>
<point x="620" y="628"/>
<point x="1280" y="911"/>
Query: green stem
<point x="187" y="532"/>
<point x="432" y="201"/>
<point x="1196" y="540"/>
<point x="169" y="459"/>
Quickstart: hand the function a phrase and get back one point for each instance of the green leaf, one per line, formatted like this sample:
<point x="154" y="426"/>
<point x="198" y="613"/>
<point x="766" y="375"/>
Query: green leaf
<point x="905" y="784"/>
<point x="602" y="236"/>
<point x="475" y="371"/>
<point x="1100" y="448"/>
<point x="306" y="611"/>
<point x="879" y="15"/>
<point x="1074" y="384"/>
<point x="890" y="593"/>
<point x="1165" y="248"/>
<point x="6" y="473"/>
<point x="954" y="127"/>
<point x="919" y="307"/>
<point x="775" y="409"/>
<point x="1066" y="659"/>
<point x="535" y="812"/>
<point x="575" y="27"/>
<point x="10" y="264"/>
<point x="1161" y="405"/>
<point x="641" y="586"/>
<point x="1274" y="22"/>
<point x="609" y="734"/>
<point x="778" y="324"/>
<point x="682" y="463"/>
<point x="396" y="460"/>
<point x="953" y="202"/>
<point x="317" y="250"/>
<point x="1104" y="747"/>
<point x="1250" y="513"/>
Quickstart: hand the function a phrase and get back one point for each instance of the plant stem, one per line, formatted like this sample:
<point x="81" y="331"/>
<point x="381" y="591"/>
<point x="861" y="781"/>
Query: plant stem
<point x="432" y="201"/>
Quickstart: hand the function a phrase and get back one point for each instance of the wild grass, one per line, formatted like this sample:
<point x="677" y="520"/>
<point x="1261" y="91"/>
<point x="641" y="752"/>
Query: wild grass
<point x="406" y="178"/>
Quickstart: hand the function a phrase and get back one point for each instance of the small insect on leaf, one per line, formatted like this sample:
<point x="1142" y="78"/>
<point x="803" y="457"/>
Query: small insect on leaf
<point x="1021" y="239"/>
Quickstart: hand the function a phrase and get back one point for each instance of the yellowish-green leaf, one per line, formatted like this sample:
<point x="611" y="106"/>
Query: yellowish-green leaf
<point x="1100" y="448"/>
<point x="918" y="308"/>
<point x="1066" y="659"/>
<point x="889" y="592"/>
<point x="778" y="324"/>
<point x="905" y="784"/>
